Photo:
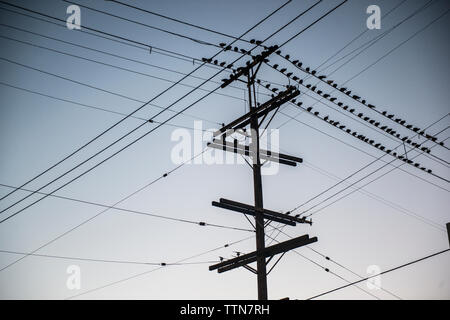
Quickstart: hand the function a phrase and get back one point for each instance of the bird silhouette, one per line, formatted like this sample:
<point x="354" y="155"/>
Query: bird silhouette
<point x="316" y="113"/>
<point x="215" y="62"/>
<point x="326" y="95"/>
<point x="289" y="74"/>
<point x="275" y="89"/>
<point x="314" y="88"/>
<point x="295" y="61"/>
<point x="366" y="118"/>
<point x="345" y="107"/>
<point x="371" y="106"/>
<point x="222" y="64"/>
<point x="342" y="89"/>
<point x="283" y="70"/>
<point x="319" y="91"/>
<point x="243" y="51"/>
<point x="307" y="69"/>
<point x="287" y="57"/>
<point x="313" y="72"/>
<point x="268" y="85"/>
<point x="390" y="116"/>
<point x="356" y="97"/>
<point x="309" y="109"/>
<point x="275" y="65"/>
<point x="326" y="118"/>
<point x="322" y="77"/>
<point x="333" y="99"/>
<point x="348" y="130"/>
<point x="352" y="110"/>
<point x="299" y="64"/>
<point x="258" y="42"/>
<point x="222" y="44"/>
<point x="295" y="78"/>
<point x="308" y="85"/>
<point x="383" y="128"/>
<point x="340" y="104"/>
<point x="363" y="102"/>
<point x="376" y="124"/>
<point x="299" y="104"/>
<point x="360" y="115"/>
<point x="329" y="81"/>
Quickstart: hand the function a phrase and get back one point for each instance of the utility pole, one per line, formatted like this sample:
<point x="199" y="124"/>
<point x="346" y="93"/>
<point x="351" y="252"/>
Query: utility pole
<point x="252" y="119"/>
<point x="258" y="194"/>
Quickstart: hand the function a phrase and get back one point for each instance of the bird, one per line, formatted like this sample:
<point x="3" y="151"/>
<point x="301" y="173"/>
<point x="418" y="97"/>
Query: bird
<point x="215" y="61"/>
<point x="326" y="95"/>
<point x="333" y="99"/>
<point x="295" y="61"/>
<point x="299" y="104"/>
<point x="230" y="66"/>
<point x="326" y="118"/>
<point x="243" y="51"/>
<point x="345" y="107"/>
<point x="329" y="81"/>
<point x="376" y="124"/>
<point x="372" y="121"/>
<point x="275" y="66"/>
<point x="371" y="106"/>
<point x="289" y="74"/>
<point x="416" y="129"/>
<point x="314" y="88"/>
<point x="348" y="130"/>
<point x="360" y="115"/>
<point x="363" y="102"/>
<point x="316" y="113"/>
<point x="390" y="116"/>
<point x="258" y="42"/>
<point x="366" y="118"/>
<point x="348" y="92"/>
<point x="308" y="85"/>
<point x="356" y="97"/>
<point x="275" y="89"/>
<point x="377" y="145"/>
<point x="383" y="128"/>
<point x="278" y="52"/>
<point x="342" y="89"/>
<point x="352" y="110"/>
<point x="268" y="85"/>
<point x="322" y="77"/>
<point x="340" y="104"/>
<point x="222" y="64"/>
<point x="299" y="64"/>
<point x="307" y="69"/>
<point x="319" y="91"/>
<point x="222" y="44"/>
<point x="313" y="72"/>
<point x="287" y="57"/>
<point x="309" y="109"/>
<point x="295" y="78"/>
<point x="236" y="49"/>
<point x="283" y="70"/>
<point x="342" y="127"/>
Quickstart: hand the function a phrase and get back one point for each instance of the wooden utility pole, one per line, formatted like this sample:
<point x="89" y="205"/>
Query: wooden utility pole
<point x="253" y="150"/>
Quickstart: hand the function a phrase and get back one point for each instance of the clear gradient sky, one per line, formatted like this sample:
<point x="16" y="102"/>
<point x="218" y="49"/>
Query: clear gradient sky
<point x="382" y="225"/>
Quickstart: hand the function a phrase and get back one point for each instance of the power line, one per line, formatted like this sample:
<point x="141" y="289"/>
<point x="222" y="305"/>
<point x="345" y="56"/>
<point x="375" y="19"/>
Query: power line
<point x="360" y="187"/>
<point x="198" y="41"/>
<point x="381" y="273"/>
<point x="200" y="223"/>
<point x="105" y="260"/>
<point x="340" y="265"/>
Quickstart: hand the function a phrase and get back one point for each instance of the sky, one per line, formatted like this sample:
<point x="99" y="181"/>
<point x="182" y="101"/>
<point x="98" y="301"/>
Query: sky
<point x="398" y="218"/>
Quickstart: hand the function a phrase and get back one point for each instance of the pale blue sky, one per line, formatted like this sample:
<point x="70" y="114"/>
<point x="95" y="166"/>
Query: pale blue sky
<point x="357" y="231"/>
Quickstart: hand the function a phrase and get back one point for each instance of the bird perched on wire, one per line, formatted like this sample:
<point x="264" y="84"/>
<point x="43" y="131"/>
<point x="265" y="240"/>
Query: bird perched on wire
<point x="283" y="70"/>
